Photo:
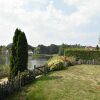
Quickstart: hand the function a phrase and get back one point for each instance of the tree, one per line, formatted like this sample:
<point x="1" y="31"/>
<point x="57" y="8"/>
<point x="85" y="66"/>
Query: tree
<point x="22" y="52"/>
<point x="13" y="58"/>
<point x="43" y="49"/>
<point x="19" y="53"/>
<point x="37" y="50"/>
<point x="61" y="50"/>
<point x="53" y="49"/>
<point x="97" y="47"/>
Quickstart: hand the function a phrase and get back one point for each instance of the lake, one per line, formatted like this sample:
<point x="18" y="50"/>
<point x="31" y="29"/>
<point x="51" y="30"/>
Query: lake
<point x="39" y="62"/>
<point x="31" y="62"/>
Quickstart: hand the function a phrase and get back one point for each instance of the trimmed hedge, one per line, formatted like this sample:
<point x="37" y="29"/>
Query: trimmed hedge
<point x="83" y="54"/>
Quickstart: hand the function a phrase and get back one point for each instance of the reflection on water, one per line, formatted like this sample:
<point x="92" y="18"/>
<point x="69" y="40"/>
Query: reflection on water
<point x="39" y="62"/>
<point x="31" y="62"/>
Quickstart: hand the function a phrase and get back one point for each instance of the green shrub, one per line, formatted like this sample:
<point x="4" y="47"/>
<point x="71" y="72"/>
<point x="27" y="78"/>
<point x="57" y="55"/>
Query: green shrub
<point x="26" y="77"/>
<point x="58" y="62"/>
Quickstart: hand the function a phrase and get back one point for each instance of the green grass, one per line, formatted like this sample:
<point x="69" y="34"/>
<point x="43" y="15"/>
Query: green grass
<point x="80" y="82"/>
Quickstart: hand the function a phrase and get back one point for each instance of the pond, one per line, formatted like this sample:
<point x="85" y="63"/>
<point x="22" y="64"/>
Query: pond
<point x="31" y="62"/>
<point x="39" y="62"/>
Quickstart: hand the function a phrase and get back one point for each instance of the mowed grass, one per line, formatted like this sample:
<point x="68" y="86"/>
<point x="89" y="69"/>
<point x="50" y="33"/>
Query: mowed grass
<point x="80" y="82"/>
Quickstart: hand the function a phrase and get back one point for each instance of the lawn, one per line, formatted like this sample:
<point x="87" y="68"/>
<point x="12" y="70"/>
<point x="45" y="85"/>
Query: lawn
<point x="80" y="82"/>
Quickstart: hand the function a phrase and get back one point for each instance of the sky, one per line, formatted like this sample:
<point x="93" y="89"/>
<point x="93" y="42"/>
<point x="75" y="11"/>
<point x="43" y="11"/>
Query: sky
<point x="51" y="21"/>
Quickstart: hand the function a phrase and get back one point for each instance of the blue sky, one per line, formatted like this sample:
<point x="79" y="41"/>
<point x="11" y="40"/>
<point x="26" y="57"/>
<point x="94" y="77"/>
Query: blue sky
<point x="51" y="21"/>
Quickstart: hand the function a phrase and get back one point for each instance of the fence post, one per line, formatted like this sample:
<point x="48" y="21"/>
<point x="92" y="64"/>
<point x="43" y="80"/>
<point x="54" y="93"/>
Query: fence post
<point x="45" y="71"/>
<point x="34" y="71"/>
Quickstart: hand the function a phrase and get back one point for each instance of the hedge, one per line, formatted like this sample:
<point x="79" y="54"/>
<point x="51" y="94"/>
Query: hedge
<point x="83" y="54"/>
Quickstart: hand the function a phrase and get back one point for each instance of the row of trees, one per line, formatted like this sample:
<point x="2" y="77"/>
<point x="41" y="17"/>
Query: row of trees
<point x="42" y="49"/>
<point x="53" y="48"/>
<point x="19" y="53"/>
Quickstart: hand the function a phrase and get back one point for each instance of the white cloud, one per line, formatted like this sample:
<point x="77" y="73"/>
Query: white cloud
<point x="50" y="25"/>
<point x="86" y="10"/>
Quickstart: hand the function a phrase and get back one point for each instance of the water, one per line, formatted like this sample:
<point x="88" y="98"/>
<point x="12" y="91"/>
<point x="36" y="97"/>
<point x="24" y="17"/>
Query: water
<point x="31" y="62"/>
<point x="38" y="62"/>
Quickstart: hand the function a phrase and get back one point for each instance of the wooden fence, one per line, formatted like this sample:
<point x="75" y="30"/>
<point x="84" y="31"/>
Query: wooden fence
<point x="19" y="81"/>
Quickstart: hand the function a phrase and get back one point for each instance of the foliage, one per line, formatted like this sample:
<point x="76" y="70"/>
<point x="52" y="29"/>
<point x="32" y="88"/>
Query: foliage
<point x="4" y="71"/>
<point x="2" y="55"/>
<point x="53" y="49"/>
<point x="9" y="46"/>
<point x="26" y="77"/>
<point x="2" y="50"/>
<point x="2" y="59"/>
<point x="22" y="52"/>
<point x="83" y="54"/>
<point x="37" y="50"/>
<point x="58" y="62"/>
<point x="19" y="53"/>
<point x="42" y="49"/>
<point x="97" y="47"/>
<point x="61" y="50"/>
<point x="13" y="59"/>
<point x="55" y="63"/>
<point x="69" y="60"/>
<point x="41" y="56"/>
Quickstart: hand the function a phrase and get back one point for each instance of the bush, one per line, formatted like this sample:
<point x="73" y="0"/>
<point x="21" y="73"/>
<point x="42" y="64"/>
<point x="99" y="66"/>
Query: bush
<point x="59" y="62"/>
<point x="70" y="60"/>
<point x="26" y="77"/>
<point x="83" y="54"/>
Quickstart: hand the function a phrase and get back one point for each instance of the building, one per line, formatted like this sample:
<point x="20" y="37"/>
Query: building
<point x="30" y="52"/>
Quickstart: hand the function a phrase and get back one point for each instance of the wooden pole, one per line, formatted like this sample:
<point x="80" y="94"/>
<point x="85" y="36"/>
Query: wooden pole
<point x="34" y="71"/>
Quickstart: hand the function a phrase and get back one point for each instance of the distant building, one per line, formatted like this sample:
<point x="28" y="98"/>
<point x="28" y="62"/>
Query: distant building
<point x="30" y="52"/>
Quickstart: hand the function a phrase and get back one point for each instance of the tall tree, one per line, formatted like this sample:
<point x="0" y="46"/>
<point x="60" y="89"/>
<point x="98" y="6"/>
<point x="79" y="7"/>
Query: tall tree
<point x="18" y="52"/>
<point x="13" y="59"/>
<point x="22" y="52"/>
<point x="53" y="49"/>
<point x="97" y="47"/>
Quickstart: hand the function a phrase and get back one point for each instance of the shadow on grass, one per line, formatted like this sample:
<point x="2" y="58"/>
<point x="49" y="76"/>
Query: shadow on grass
<point x="47" y="77"/>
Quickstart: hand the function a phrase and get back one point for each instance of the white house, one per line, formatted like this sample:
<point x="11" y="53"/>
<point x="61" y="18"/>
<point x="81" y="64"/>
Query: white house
<point x="30" y="52"/>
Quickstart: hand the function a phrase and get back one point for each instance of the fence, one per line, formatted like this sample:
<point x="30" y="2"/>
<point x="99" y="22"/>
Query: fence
<point x="92" y="62"/>
<point x="21" y="80"/>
